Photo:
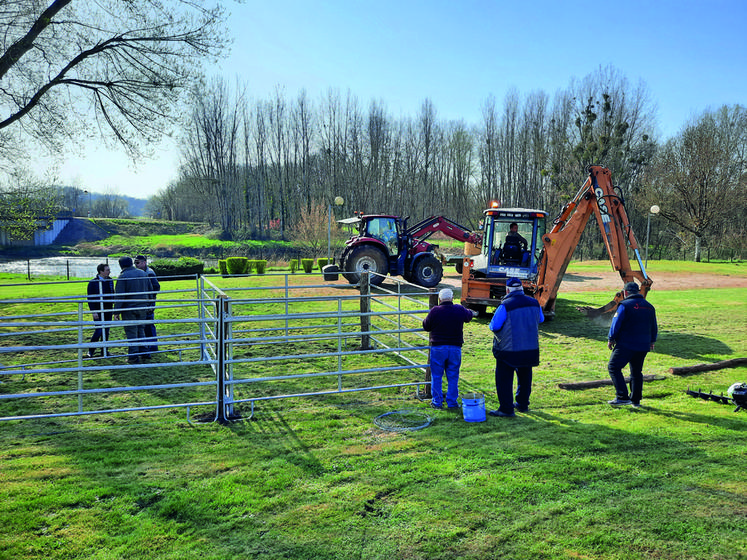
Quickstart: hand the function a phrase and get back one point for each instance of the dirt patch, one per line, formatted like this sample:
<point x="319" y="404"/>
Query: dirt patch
<point x="599" y="281"/>
<point x="662" y="281"/>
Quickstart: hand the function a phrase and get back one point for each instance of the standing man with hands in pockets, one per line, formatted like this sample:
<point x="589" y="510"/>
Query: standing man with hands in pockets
<point x="100" y="294"/>
<point x="515" y="327"/>
<point x="131" y="291"/>
<point x="150" y="343"/>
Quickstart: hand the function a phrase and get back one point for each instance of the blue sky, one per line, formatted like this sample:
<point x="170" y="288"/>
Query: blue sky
<point x="692" y="55"/>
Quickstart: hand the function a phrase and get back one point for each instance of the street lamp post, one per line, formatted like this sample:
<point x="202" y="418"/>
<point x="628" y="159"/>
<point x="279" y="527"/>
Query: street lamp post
<point x="89" y="202"/>
<point x="339" y="201"/>
<point x="653" y="210"/>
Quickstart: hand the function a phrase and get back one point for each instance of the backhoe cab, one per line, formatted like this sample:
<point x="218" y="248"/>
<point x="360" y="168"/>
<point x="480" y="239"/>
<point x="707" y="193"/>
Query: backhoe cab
<point x="504" y="254"/>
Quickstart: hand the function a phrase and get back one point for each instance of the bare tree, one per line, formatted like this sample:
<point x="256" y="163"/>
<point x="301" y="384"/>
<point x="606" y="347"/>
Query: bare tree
<point x="211" y="152"/>
<point x="311" y="229"/>
<point x="110" y="204"/>
<point x="700" y="176"/>
<point x="27" y="204"/>
<point x="69" y="68"/>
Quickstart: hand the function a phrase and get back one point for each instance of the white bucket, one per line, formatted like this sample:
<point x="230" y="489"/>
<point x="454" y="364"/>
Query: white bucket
<point x="473" y="407"/>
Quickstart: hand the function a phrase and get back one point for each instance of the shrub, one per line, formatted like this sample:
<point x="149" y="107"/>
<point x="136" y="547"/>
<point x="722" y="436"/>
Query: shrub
<point x="307" y="264"/>
<point x="223" y="267"/>
<point x="250" y="265"/>
<point x="173" y="270"/>
<point x="293" y="266"/>
<point x="237" y="265"/>
<point x="261" y="266"/>
<point x="321" y="263"/>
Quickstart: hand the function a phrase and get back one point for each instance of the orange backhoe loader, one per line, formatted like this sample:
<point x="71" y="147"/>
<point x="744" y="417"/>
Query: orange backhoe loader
<point x="542" y="263"/>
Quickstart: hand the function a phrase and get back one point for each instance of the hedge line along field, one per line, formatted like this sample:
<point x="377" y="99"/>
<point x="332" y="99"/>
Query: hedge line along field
<point x="316" y="478"/>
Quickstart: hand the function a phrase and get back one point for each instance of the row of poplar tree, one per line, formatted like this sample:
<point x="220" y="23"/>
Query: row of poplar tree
<point x="255" y="168"/>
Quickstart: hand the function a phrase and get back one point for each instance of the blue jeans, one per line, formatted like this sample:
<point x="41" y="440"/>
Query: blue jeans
<point x="619" y="359"/>
<point x="504" y="386"/>
<point x="445" y="359"/>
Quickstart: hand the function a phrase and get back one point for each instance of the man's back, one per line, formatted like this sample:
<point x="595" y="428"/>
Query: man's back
<point x="132" y="287"/>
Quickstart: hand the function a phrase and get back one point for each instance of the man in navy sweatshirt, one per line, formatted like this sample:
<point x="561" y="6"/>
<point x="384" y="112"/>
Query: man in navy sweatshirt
<point x="445" y="323"/>
<point x="632" y="335"/>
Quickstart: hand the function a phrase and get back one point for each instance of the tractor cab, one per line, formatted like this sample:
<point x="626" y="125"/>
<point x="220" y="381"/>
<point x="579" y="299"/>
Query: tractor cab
<point x="386" y="229"/>
<point x="511" y="243"/>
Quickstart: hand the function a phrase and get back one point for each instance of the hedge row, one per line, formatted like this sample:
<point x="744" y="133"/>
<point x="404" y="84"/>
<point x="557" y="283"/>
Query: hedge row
<point x="188" y="266"/>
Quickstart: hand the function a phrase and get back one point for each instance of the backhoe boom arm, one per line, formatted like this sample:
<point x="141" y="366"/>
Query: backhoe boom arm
<point x="597" y="196"/>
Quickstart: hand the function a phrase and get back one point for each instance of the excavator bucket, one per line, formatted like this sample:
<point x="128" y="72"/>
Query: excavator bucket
<point x="594" y="312"/>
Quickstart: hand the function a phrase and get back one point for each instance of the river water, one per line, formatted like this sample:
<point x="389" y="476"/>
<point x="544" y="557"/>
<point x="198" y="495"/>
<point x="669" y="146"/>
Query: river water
<point x="70" y="267"/>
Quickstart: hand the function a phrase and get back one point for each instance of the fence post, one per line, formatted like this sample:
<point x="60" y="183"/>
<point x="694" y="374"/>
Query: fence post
<point x="80" y="355"/>
<point x="225" y="392"/>
<point x="365" y="288"/>
<point x="432" y="302"/>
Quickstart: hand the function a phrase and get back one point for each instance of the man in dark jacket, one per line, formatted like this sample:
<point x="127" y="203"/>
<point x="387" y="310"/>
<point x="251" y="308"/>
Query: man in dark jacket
<point x="132" y="290"/>
<point x="150" y="327"/>
<point x="632" y="335"/>
<point x="515" y="327"/>
<point x="100" y="291"/>
<point x="445" y="323"/>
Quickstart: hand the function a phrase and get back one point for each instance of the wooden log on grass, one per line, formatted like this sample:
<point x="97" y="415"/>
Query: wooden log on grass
<point x="686" y="370"/>
<point x="602" y="382"/>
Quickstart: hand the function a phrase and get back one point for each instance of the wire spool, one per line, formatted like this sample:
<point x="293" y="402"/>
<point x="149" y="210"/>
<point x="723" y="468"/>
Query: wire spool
<point x="403" y="420"/>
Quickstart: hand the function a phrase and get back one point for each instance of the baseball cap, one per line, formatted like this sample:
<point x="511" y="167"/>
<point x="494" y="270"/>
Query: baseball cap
<point x="513" y="282"/>
<point x="632" y="288"/>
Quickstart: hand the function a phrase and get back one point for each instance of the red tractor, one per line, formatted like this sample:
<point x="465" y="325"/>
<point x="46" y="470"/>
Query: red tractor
<point x="385" y="245"/>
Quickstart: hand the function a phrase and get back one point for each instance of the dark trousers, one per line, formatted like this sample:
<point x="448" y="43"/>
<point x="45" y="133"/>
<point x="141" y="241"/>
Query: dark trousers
<point x="135" y="333"/>
<point x="619" y="358"/>
<point x="99" y="331"/>
<point x="504" y="382"/>
<point x="150" y="332"/>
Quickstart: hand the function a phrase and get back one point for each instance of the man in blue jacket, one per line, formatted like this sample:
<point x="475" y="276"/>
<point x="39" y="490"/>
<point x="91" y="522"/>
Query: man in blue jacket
<point x="515" y="327"/>
<point x="632" y="335"/>
<point x="445" y="323"/>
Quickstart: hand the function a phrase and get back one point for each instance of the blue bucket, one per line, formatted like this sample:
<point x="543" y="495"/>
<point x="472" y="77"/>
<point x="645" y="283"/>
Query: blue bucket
<point x="473" y="407"/>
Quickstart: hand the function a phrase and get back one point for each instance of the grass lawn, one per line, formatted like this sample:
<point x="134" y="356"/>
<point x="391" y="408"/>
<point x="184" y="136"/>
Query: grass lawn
<point x="315" y="478"/>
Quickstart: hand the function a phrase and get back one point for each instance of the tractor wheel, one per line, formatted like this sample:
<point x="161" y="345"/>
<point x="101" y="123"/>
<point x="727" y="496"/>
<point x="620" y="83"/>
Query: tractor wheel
<point x="459" y="267"/>
<point x="366" y="258"/>
<point x="428" y="272"/>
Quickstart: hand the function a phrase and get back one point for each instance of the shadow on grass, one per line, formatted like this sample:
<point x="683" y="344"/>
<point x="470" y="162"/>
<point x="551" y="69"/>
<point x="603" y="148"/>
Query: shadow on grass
<point x="572" y="323"/>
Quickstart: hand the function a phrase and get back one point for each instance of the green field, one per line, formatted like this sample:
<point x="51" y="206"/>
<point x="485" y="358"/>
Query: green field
<point x="316" y="478"/>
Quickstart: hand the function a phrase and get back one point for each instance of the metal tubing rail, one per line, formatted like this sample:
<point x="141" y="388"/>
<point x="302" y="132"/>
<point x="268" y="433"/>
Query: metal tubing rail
<point x="218" y="330"/>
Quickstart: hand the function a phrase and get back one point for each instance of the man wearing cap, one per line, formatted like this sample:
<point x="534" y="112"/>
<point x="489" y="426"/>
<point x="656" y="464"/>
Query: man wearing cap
<point x="515" y="326"/>
<point x="150" y="327"/>
<point x="131" y="302"/>
<point x="632" y="335"/>
<point x="445" y="323"/>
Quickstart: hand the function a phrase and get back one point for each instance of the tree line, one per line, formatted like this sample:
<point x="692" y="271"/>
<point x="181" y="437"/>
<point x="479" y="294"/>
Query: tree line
<point x="256" y="168"/>
<point x="128" y="73"/>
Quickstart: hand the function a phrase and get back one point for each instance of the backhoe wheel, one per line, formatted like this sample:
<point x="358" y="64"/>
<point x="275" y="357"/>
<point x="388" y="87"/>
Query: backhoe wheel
<point x="428" y="272"/>
<point x="366" y="258"/>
